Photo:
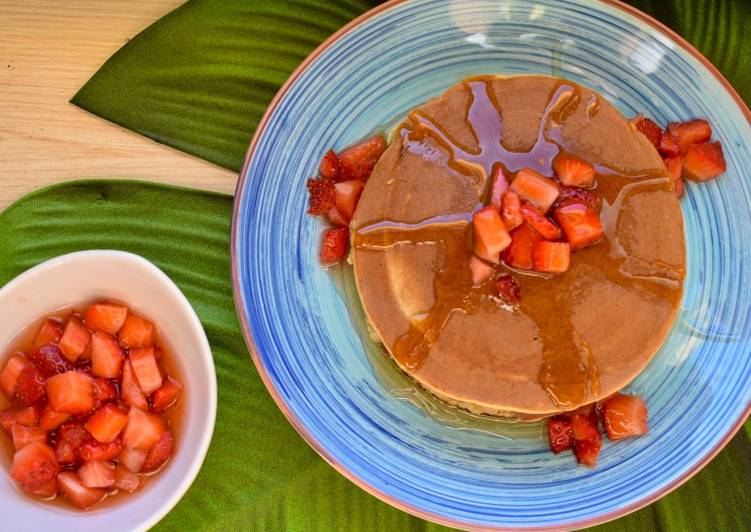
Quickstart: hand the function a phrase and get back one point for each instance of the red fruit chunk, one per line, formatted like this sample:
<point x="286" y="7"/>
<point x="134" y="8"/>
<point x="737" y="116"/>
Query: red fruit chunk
<point x="75" y="339"/>
<point x="71" y="392"/>
<point x="160" y="453"/>
<point x="691" y="132"/>
<point x="30" y="385"/>
<point x="649" y="129"/>
<point x="573" y="172"/>
<point x="34" y="466"/>
<point x="51" y="419"/>
<point x="575" y="195"/>
<point x="97" y="474"/>
<point x="94" y="450"/>
<point x="335" y="245"/>
<point x="624" y="416"/>
<point x="358" y="161"/>
<point x="143" y="429"/>
<point x="540" y="223"/>
<point x="73" y="433"/>
<point x="81" y="496"/>
<point x="46" y="490"/>
<point x="490" y="234"/>
<point x="499" y="187"/>
<point x="537" y="189"/>
<point x="136" y="332"/>
<point x="27" y="417"/>
<point x="50" y="333"/>
<point x="703" y="162"/>
<point x="106" y="317"/>
<point x="146" y="369"/>
<point x="587" y="451"/>
<point x="507" y="288"/>
<point x="22" y="436"/>
<point x="130" y="390"/>
<point x="560" y="434"/>
<point x="336" y="218"/>
<point x="103" y="391"/>
<point x="125" y="480"/>
<point x="106" y="356"/>
<point x="65" y="452"/>
<point x="132" y="459"/>
<point x="165" y="396"/>
<point x="106" y="423"/>
<point x="584" y="426"/>
<point x="551" y="257"/>
<point x="580" y="224"/>
<point x="669" y="146"/>
<point x="347" y="195"/>
<point x="50" y="361"/>
<point x="674" y="166"/>
<point x="321" y="196"/>
<point x="7" y="419"/>
<point x="519" y="253"/>
<point x="511" y="211"/>
<point x="11" y="372"/>
<point x="329" y="166"/>
<point x="481" y="270"/>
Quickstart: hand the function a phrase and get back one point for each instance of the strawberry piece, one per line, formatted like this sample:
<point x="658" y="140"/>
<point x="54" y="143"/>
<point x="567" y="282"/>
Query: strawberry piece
<point x="560" y="434"/>
<point x="511" y="211"/>
<point x="103" y="391"/>
<point x="649" y="129"/>
<point x="334" y="246"/>
<point x="703" y="162"/>
<point x="576" y="195"/>
<point x="106" y="317"/>
<point x="669" y="146"/>
<point x="165" y="396"/>
<point x="27" y="417"/>
<point x="588" y="440"/>
<point x="674" y="166"/>
<point x="132" y="459"/>
<point x="321" y="196"/>
<point x="7" y="419"/>
<point x="51" y="419"/>
<point x="130" y="390"/>
<point x="584" y="426"/>
<point x="551" y="257"/>
<point x="580" y="224"/>
<point x="508" y="288"/>
<point x="690" y="132"/>
<point x="573" y="172"/>
<point x="358" y="161"/>
<point x="540" y="223"/>
<point x="34" y="466"/>
<point x="537" y="189"/>
<point x="50" y="361"/>
<point x="136" y="332"/>
<point x="481" y="270"/>
<point x="97" y="474"/>
<point x="30" y="387"/>
<point x="22" y="436"/>
<point x="70" y="484"/>
<point x="587" y="451"/>
<point x="50" y="333"/>
<point x="679" y="187"/>
<point x="65" y="452"/>
<point x="106" y="423"/>
<point x="71" y="392"/>
<point x="143" y="429"/>
<point x="73" y="433"/>
<point x="347" y="195"/>
<point x="47" y="490"/>
<point x="624" y="416"/>
<point x="146" y="369"/>
<point x="75" y="339"/>
<point x="125" y="480"/>
<point x="519" y="253"/>
<point x="106" y="356"/>
<point x="160" y="453"/>
<point x="11" y="372"/>
<point x="490" y="234"/>
<point x="499" y="186"/>
<point x="336" y="218"/>
<point x="91" y="449"/>
<point x="329" y="166"/>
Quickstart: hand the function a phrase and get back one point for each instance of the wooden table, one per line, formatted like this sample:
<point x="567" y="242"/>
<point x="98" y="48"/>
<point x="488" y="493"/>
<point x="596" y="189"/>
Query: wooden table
<point x="48" y="50"/>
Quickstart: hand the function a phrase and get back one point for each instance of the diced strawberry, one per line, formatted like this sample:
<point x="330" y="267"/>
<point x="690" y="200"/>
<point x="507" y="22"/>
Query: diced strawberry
<point x="106" y="423"/>
<point x="11" y="372"/>
<point x="73" y="433"/>
<point x="34" y="466"/>
<point x="540" y="223"/>
<point x="321" y="196"/>
<point x="71" y="392"/>
<point x="329" y="166"/>
<point x="335" y="245"/>
<point x="649" y="129"/>
<point x="336" y="218"/>
<point x="22" y="436"/>
<point x="580" y="224"/>
<point x="51" y="419"/>
<point x="106" y="356"/>
<point x="97" y="474"/>
<point x="104" y="391"/>
<point x="50" y="361"/>
<point x="125" y="480"/>
<point x="703" y="162"/>
<point x="507" y="288"/>
<point x="50" y="333"/>
<point x="679" y="187"/>
<point x="106" y="317"/>
<point x="490" y="234"/>
<point x="519" y="253"/>
<point x="358" y="161"/>
<point x="146" y="369"/>
<point x="690" y="132"/>
<point x="674" y="166"/>
<point x="65" y="452"/>
<point x="576" y="195"/>
<point x="588" y="440"/>
<point x="132" y="459"/>
<point x="165" y="396"/>
<point x="584" y="426"/>
<point x="75" y="339"/>
<point x="143" y="429"/>
<point x="560" y="434"/>
<point x="574" y="172"/>
<point x="624" y="416"/>
<point x="93" y="450"/>
<point x="587" y="451"/>
<point x="46" y="490"/>
<point x="70" y="484"/>
<point x="551" y="257"/>
<point x="28" y="416"/>
<point x="30" y="387"/>
<point x="537" y="189"/>
<point x="7" y="419"/>
<point x="481" y="270"/>
<point x="347" y="195"/>
<point x="130" y="390"/>
<point x="136" y="332"/>
<point x="669" y="146"/>
<point x="499" y="186"/>
<point x="160" y="453"/>
<point x="511" y="210"/>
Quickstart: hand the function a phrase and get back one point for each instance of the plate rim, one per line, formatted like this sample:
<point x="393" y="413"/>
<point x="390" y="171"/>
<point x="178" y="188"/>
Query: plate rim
<point x="298" y="425"/>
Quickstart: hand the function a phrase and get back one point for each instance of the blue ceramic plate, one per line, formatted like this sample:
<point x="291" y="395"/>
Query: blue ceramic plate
<point x="305" y="328"/>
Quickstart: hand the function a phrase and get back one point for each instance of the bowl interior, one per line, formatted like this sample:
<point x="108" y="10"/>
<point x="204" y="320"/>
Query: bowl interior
<point x="350" y="403"/>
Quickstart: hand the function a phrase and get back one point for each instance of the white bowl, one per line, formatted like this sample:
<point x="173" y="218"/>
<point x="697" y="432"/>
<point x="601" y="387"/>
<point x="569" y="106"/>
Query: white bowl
<point x="80" y="278"/>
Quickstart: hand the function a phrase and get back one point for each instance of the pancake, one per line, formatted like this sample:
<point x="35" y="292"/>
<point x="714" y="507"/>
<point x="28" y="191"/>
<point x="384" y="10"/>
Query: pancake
<point x="574" y="338"/>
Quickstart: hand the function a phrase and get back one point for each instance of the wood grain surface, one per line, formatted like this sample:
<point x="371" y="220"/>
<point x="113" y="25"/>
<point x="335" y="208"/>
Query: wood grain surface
<point x="48" y="49"/>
